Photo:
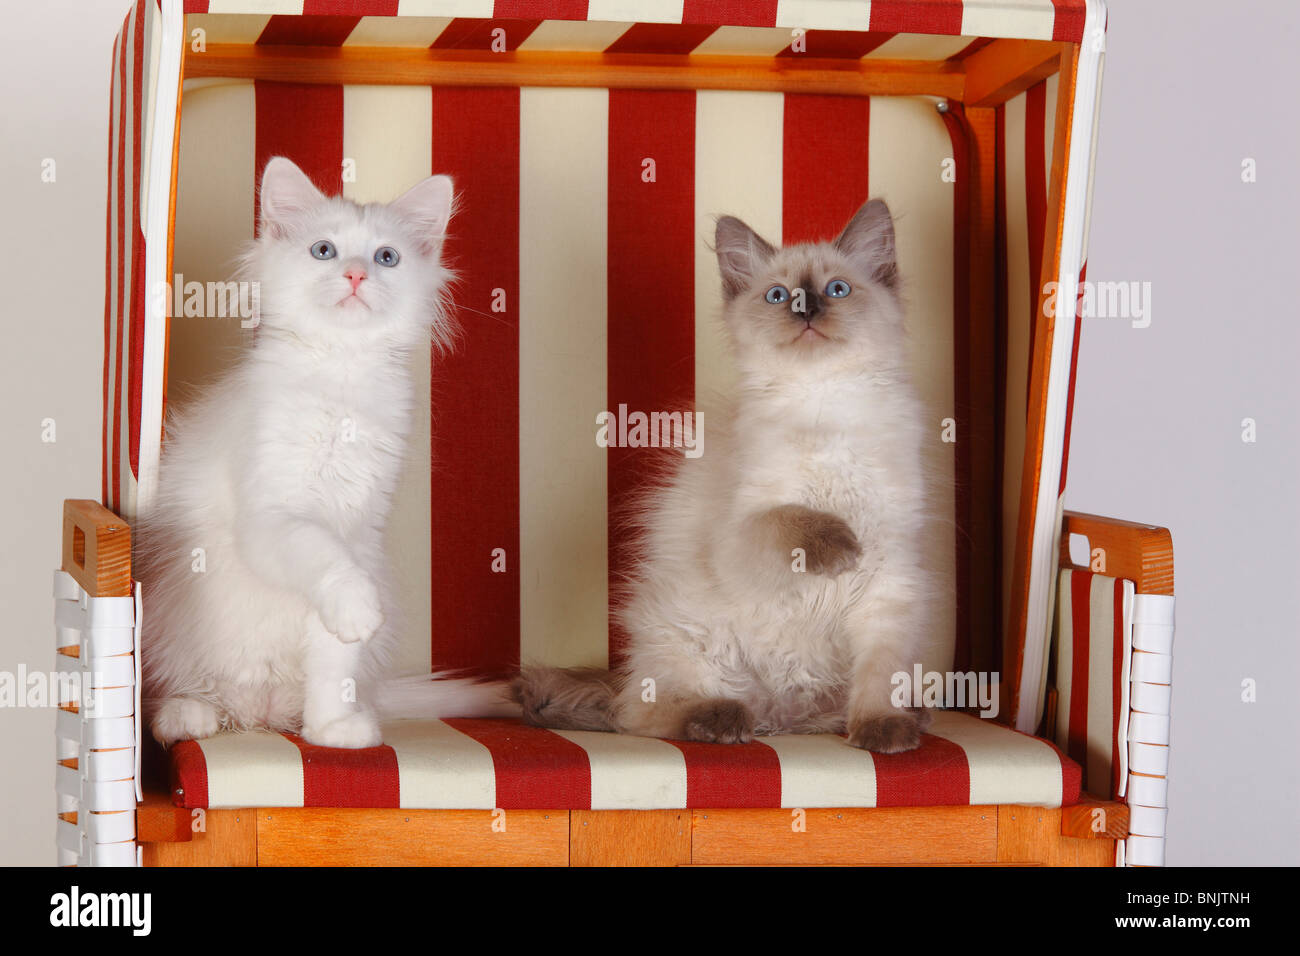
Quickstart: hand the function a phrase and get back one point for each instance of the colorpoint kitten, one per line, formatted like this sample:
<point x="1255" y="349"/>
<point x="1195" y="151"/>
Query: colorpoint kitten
<point x="817" y="454"/>
<point x="284" y="471"/>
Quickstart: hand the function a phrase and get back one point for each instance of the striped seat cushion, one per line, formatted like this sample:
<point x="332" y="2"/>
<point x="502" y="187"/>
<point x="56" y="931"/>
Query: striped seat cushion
<point x="489" y="764"/>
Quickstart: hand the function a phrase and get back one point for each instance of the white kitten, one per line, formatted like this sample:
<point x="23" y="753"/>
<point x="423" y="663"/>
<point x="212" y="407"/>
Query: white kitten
<point x="283" y="473"/>
<point x="781" y="583"/>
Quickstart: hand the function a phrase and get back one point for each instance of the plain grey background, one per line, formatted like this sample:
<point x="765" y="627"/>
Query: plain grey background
<point x="1191" y="89"/>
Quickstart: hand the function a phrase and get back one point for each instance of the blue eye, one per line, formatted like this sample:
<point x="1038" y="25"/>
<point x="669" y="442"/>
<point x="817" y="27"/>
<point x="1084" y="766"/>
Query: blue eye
<point x="387" y="256"/>
<point x="777" y="294"/>
<point x="838" y="289"/>
<point x="323" y="249"/>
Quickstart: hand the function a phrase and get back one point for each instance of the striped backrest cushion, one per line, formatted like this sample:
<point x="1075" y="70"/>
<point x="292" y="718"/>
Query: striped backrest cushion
<point x="586" y="284"/>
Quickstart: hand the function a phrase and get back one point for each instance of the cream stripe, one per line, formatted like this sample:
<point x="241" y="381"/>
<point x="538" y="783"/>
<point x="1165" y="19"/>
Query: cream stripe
<point x="745" y="41"/>
<point x="254" y="769"/>
<point x="636" y="11"/>
<point x="126" y="503"/>
<point x="387" y="139"/>
<point x="391" y="31"/>
<point x="824" y="14"/>
<point x="579" y="36"/>
<point x="738" y="149"/>
<point x="822" y="770"/>
<point x="919" y="46"/>
<point x="1031" y="19"/>
<point x="440" y="768"/>
<point x="214" y="217"/>
<point x="255" y="6"/>
<point x="1064" y="658"/>
<point x="1005" y="767"/>
<point x="445" y="8"/>
<point x="1101" y="618"/>
<point x="114" y="252"/>
<point x="226" y="28"/>
<point x="632" y="773"/>
<point x="563" y="157"/>
<point x="1092" y="164"/>
<point x="149" y="75"/>
<point x="1017" y="362"/>
<point x="908" y="144"/>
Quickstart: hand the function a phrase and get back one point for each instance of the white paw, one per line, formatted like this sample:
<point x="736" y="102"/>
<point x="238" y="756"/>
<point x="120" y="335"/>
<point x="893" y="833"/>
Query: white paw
<point x="351" y="732"/>
<point x="184" y="718"/>
<point x="350" y="608"/>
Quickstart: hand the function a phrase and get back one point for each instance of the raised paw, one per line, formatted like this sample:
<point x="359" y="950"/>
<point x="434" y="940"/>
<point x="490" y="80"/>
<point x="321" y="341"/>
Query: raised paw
<point x="349" y="607"/>
<point x="719" y="722"/>
<point x="889" y="733"/>
<point x="352" y="732"/>
<point x="184" y="718"/>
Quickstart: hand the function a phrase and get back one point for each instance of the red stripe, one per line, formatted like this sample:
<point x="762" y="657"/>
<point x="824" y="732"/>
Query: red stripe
<point x="196" y="6"/>
<point x="1070" y="17"/>
<point x="908" y="16"/>
<point x="475" y="393"/>
<point x="1035" y="205"/>
<point x="541" y="9"/>
<point x="824" y="178"/>
<point x="1077" y="738"/>
<point x="189" y="774"/>
<point x="535" y="769"/>
<point x="661" y="38"/>
<point x="333" y="777"/>
<point x="1116" y="686"/>
<point x="108" y="293"/>
<point x="651" y="287"/>
<point x="954" y="120"/>
<point x="121" y="274"/>
<point x="1074" y="371"/>
<point x="136" y="319"/>
<point x="293" y="30"/>
<point x="1000" y="358"/>
<point x="352" y="8"/>
<point x="470" y="34"/>
<point x="741" y="13"/>
<point x="839" y="44"/>
<point x="730" y="775"/>
<point x="936" y="774"/>
<point x="304" y="122"/>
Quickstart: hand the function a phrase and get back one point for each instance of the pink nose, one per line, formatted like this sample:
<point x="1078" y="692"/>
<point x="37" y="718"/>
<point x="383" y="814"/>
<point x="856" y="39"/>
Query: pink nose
<point x="356" y="277"/>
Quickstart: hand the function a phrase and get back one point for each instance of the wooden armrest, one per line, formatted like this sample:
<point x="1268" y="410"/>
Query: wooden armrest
<point x="1094" y="819"/>
<point x="96" y="548"/>
<point x="1141" y="553"/>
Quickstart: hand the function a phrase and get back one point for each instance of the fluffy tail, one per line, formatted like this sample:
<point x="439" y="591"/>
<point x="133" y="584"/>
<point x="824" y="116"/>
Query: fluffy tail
<point x="431" y="696"/>
<point x="572" y="698"/>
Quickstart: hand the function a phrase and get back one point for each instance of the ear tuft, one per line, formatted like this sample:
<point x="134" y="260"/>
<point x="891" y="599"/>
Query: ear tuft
<point x="428" y="205"/>
<point x="868" y="239"/>
<point x="286" y="193"/>
<point x="740" y="252"/>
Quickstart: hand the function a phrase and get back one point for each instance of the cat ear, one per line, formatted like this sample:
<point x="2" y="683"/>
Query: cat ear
<point x="740" y="252"/>
<point x="868" y="239"/>
<point x="428" y="205"/>
<point x="286" y="193"/>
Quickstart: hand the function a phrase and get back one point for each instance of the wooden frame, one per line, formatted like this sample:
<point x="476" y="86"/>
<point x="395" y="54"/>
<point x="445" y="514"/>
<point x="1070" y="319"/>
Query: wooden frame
<point x="988" y="77"/>
<point x="925" y="836"/>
